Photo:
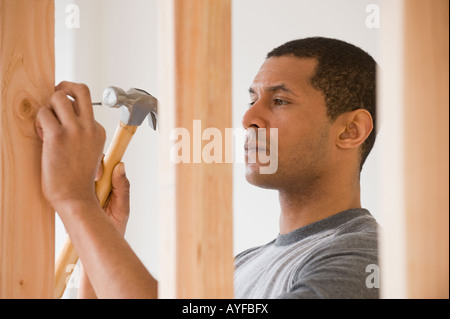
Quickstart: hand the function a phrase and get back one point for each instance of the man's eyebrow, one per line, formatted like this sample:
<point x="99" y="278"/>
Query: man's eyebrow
<point x="273" y="89"/>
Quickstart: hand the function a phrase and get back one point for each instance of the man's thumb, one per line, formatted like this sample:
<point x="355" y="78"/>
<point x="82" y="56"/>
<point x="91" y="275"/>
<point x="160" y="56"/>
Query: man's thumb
<point x="119" y="180"/>
<point x="119" y="203"/>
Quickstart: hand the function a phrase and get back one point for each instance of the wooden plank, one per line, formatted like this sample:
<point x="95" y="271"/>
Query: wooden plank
<point x="195" y="44"/>
<point x="426" y="133"/>
<point x="27" y="82"/>
<point x="415" y="117"/>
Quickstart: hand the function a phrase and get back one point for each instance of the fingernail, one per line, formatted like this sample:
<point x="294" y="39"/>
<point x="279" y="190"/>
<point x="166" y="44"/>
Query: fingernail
<point x="122" y="169"/>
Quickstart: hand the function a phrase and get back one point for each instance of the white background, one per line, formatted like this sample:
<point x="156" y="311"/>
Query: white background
<point x="116" y="44"/>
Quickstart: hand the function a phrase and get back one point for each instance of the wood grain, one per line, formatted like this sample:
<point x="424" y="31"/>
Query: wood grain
<point x="426" y="148"/>
<point x="27" y="81"/>
<point x="414" y="112"/>
<point x="197" y="260"/>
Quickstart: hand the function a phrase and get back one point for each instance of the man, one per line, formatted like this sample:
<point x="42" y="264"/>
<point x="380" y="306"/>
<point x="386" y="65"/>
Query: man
<point x="320" y="95"/>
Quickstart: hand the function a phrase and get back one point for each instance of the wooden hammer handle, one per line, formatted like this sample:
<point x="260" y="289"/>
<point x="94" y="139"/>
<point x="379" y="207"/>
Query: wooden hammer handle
<point x="68" y="257"/>
<point x="114" y="155"/>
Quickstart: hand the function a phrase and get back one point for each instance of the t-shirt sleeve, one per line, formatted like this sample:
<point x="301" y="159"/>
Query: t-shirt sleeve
<point x="348" y="268"/>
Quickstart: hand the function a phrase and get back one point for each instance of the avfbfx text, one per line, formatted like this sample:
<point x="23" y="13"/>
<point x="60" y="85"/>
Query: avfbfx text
<point x="232" y="308"/>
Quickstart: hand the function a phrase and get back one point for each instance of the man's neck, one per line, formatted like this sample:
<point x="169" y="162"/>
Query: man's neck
<point x="299" y="209"/>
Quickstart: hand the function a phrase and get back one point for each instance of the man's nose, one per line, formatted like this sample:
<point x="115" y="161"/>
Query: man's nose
<point x="255" y="117"/>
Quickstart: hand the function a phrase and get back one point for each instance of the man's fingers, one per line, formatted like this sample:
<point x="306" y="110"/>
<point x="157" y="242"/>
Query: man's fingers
<point x="119" y="179"/>
<point x="46" y="122"/>
<point x="82" y="96"/>
<point x="63" y="107"/>
<point x="118" y="207"/>
<point x="120" y="188"/>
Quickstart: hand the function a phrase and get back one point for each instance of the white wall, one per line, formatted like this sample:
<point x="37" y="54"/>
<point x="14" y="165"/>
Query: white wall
<point x="116" y="44"/>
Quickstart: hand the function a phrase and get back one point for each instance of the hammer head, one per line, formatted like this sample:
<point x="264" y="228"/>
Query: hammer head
<point x="135" y="105"/>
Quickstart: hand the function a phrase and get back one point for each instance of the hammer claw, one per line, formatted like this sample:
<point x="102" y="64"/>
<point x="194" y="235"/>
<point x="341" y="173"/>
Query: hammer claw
<point x="152" y="120"/>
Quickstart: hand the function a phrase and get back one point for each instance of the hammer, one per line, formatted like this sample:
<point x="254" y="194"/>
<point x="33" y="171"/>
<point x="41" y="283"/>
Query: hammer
<point x="135" y="105"/>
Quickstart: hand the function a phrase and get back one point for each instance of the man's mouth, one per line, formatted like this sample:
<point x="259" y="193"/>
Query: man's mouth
<point x="253" y="148"/>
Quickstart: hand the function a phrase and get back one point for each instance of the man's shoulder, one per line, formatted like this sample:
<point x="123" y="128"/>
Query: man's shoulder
<point x="337" y="267"/>
<point x="252" y="251"/>
<point x="362" y="222"/>
<point x="361" y="230"/>
<point x="358" y="234"/>
<point x="355" y="241"/>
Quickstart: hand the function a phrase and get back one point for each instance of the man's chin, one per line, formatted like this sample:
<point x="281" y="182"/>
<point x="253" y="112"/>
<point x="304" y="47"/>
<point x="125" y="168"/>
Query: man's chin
<point x="256" y="178"/>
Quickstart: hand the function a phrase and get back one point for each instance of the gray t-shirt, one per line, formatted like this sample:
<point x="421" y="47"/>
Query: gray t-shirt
<point x="331" y="258"/>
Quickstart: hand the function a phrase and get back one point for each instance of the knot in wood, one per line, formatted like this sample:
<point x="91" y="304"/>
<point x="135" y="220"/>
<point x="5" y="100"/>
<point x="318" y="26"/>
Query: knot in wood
<point x="26" y="110"/>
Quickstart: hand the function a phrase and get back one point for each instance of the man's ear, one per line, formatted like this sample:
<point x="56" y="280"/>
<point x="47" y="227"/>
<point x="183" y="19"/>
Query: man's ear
<point x="353" y="128"/>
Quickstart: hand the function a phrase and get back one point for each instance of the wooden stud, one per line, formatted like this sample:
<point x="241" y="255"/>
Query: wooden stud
<point x="196" y="201"/>
<point x="415" y="117"/>
<point x="27" y="81"/>
<point x="426" y="133"/>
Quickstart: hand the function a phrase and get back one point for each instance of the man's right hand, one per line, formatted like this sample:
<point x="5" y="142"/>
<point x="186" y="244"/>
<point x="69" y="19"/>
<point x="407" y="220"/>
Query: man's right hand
<point x="72" y="146"/>
<point x="71" y="155"/>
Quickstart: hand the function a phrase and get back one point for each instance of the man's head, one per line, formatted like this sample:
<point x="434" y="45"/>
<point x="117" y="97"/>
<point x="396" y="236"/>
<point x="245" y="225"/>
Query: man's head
<point x="320" y="94"/>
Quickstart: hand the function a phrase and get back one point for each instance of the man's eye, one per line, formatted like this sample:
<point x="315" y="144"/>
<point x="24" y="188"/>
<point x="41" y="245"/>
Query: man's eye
<point x="279" y="102"/>
<point x="251" y="104"/>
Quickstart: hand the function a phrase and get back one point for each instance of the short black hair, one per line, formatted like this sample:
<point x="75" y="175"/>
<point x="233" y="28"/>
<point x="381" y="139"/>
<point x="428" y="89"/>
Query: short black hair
<point x="345" y="74"/>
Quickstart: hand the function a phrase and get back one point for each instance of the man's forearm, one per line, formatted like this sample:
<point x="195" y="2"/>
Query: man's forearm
<point x="113" y="269"/>
<point x="85" y="290"/>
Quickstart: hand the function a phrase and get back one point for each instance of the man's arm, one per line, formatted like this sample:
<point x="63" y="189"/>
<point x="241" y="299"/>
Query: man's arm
<point x="71" y="154"/>
<point x="118" y="210"/>
<point x="112" y="267"/>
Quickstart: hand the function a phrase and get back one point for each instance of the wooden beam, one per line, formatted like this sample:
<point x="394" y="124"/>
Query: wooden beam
<point x="415" y="245"/>
<point x="27" y="82"/>
<point x="197" y="255"/>
<point x="426" y="133"/>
